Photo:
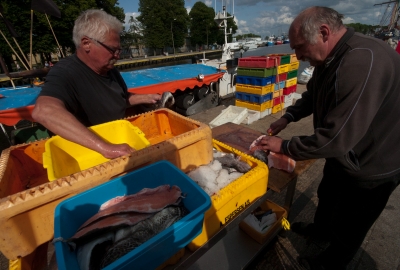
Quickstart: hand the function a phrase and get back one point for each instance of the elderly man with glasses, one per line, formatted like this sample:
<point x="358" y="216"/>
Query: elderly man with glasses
<point x="86" y="89"/>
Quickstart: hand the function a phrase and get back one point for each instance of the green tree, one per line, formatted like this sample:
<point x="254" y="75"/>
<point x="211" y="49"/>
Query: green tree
<point x="133" y="36"/>
<point x="164" y="22"/>
<point x="203" y="29"/>
<point x="43" y="42"/>
<point x="249" y="35"/>
<point x="363" y="28"/>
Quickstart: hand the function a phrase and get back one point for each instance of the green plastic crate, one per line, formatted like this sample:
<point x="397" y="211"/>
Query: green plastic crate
<point x="257" y="72"/>
<point x="285" y="58"/>
<point x="292" y="74"/>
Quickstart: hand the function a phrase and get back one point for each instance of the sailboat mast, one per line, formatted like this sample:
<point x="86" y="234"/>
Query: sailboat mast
<point x="394" y="14"/>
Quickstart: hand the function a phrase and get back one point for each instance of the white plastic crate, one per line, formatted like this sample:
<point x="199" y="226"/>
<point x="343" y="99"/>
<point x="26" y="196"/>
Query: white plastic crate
<point x="251" y="117"/>
<point x="265" y="113"/>
<point x="287" y="104"/>
<point x="232" y="114"/>
<point x="288" y="98"/>
<point x="296" y="96"/>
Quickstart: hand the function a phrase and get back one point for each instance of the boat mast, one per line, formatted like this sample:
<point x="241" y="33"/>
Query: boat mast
<point x="394" y="14"/>
<point x="222" y="20"/>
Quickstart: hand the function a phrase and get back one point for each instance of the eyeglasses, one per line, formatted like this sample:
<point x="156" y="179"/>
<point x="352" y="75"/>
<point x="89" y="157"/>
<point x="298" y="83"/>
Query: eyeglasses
<point x="114" y="52"/>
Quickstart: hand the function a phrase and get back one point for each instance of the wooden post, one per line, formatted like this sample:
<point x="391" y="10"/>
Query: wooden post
<point x="51" y="28"/>
<point x="16" y="54"/>
<point x="30" y="38"/>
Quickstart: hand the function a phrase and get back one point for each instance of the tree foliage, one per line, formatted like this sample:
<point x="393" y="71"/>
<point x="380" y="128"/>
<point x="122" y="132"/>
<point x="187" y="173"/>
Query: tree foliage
<point x="244" y="36"/>
<point x="363" y="28"/>
<point x="164" y="22"/>
<point x="43" y="41"/>
<point x="133" y="36"/>
<point x="203" y="29"/>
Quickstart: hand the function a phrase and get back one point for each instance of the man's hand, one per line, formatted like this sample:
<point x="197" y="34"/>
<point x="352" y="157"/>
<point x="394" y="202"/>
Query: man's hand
<point x="271" y="143"/>
<point x="116" y="150"/>
<point x="151" y="98"/>
<point x="135" y="99"/>
<point x="277" y="126"/>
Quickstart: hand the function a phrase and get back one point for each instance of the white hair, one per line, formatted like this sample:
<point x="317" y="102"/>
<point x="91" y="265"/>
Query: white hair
<point x="96" y="24"/>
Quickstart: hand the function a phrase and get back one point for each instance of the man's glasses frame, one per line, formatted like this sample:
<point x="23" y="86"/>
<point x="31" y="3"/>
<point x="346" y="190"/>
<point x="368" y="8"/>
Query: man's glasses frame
<point x="115" y="52"/>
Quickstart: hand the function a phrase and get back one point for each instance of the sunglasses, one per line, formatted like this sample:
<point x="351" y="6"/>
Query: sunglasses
<point x="115" y="52"/>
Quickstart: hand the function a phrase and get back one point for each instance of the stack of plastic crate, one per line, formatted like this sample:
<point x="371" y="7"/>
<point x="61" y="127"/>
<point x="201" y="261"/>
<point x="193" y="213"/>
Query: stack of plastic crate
<point x="265" y="84"/>
<point x="286" y="81"/>
<point x="256" y="83"/>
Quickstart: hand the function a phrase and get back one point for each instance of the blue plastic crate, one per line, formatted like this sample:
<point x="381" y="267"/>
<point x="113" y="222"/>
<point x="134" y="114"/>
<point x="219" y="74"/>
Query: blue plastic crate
<point x="259" y="81"/>
<point x="281" y="85"/>
<point x="70" y="214"/>
<point x="253" y="97"/>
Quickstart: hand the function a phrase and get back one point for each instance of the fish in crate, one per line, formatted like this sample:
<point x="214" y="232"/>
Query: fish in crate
<point x="124" y="223"/>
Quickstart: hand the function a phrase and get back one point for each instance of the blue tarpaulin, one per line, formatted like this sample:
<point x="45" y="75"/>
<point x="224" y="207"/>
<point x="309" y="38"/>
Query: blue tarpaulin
<point x="151" y="76"/>
<point x="19" y="97"/>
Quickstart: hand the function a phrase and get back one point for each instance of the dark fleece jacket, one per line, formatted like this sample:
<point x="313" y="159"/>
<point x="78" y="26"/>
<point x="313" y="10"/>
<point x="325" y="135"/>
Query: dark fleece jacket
<point x="355" y="101"/>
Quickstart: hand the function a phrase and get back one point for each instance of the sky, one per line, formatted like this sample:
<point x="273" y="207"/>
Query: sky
<point x="272" y="17"/>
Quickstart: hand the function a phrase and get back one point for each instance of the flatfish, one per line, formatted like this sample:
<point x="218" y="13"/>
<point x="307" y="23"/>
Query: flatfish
<point x="137" y="217"/>
<point x="143" y="202"/>
<point x="109" y="223"/>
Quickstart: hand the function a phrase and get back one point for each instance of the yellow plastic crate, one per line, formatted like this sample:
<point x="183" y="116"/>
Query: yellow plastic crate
<point x="283" y="68"/>
<point x="277" y="94"/>
<point x="291" y="82"/>
<point x="233" y="198"/>
<point x="28" y="199"/>
<point x="293" y="58"/>
<point x="294" y="66"/>
<point x="63" y="157"/>
<point x="254" y="106"/>
<point x="254" y="89"/>
<point x="277" y="226"/>
<point x="276" y="108"/>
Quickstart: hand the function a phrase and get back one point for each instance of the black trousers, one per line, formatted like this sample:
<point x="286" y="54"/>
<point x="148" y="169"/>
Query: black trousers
<point x="346" y="212"/>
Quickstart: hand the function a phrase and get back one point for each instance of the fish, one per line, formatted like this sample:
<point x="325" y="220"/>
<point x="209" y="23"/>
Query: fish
<point x="127" y="239"/>
<point x="261" y="155"/>
<point x="107" y="223"/>
<point x="232" y="162"/>
<point x="166" y="101"/>
<point x="256" y="150"/>
<point x="142" y="202"/>
<point x="273" y="160"/>
<point x="118" y="217"/>
<point x="88" y="254"/>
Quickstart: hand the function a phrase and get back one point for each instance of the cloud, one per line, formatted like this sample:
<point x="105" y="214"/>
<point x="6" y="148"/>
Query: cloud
<point x="128" y="16"/>
<point x="242" y="23"/>
<point x="347" y="20"/>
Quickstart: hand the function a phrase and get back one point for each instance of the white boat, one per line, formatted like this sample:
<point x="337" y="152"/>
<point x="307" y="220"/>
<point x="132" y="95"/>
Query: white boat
<point x="250" y="45"/>
<point x="234" y="46"/>
<point x="227" y="61"/>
